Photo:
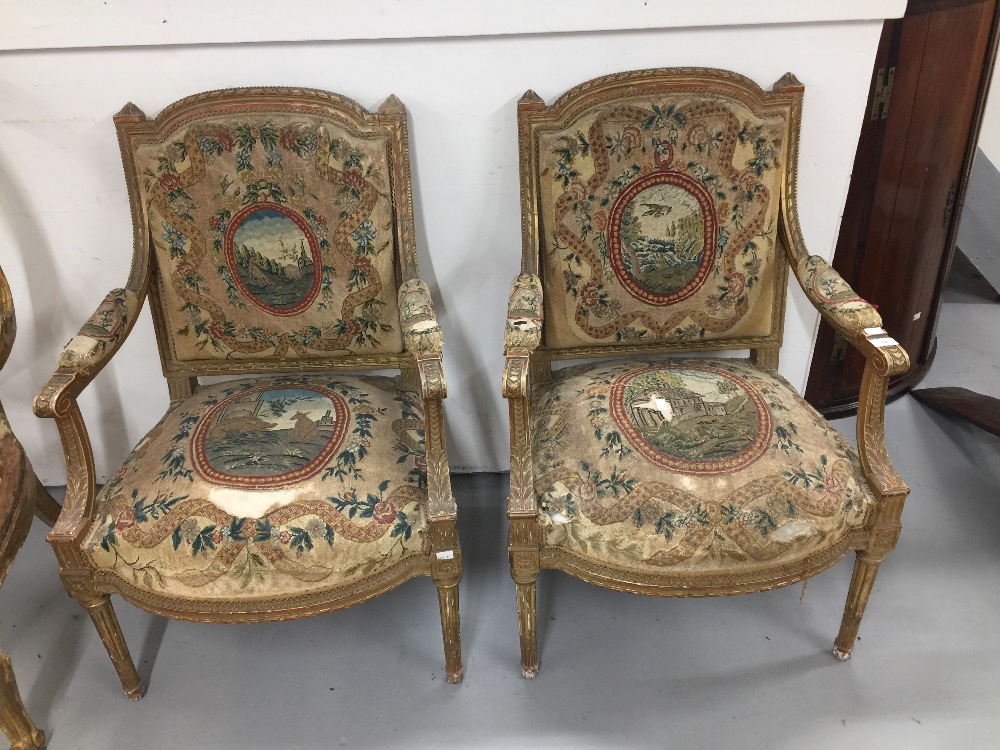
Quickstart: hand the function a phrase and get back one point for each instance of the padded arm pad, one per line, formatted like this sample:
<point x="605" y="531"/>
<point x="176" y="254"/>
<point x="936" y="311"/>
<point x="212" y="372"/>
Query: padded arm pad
<point x="524" y="314"/>
<point x="834" y="298"/>
<point x="103" y="332"/>
<point x="421" y="332"/>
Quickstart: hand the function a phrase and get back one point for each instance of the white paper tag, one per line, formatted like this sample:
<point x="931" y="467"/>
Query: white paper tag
<point x="874" y="331"/>
<point x="882" y="343"/>
<point x="448" y="554"/>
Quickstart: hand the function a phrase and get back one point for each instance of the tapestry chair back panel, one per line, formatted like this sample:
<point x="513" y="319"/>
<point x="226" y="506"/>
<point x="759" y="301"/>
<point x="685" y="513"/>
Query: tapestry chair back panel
<point x="272" y="230"/>
<point x="657" y="205"/>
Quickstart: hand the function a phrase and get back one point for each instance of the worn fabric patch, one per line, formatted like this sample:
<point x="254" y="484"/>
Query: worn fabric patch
<point x="267" y="487"/>
<point x="701" y="465"/>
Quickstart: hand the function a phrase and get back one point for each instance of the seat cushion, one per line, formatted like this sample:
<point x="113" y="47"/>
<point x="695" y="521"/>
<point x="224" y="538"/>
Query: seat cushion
<point x="677" y="465"/>
<point x="268" y="487"/>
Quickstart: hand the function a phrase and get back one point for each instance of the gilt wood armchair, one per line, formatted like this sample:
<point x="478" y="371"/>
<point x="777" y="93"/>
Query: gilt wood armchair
<point x="274" y="239"/>
<point x="659" y="217"/>
<point x="21" y="494"/>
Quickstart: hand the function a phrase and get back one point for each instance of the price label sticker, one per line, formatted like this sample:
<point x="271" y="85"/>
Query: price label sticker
<point x="448" y="554"/>
<point x="884" y="342"/>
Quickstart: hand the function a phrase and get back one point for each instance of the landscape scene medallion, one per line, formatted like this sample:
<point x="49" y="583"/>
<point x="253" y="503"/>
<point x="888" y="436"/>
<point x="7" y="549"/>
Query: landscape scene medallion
<point x="661" y="238"/>
<point x="691" y="419"/>
<point x="274" y="258"/>
<point x="269" y="437"/>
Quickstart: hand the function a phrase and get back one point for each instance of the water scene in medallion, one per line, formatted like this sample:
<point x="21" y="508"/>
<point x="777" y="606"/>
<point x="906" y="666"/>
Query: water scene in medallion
<point x="270" y="433"/>
<point x="273" y="258"/>
<point x="691" y="415"/>
<point x="662" y="238"/>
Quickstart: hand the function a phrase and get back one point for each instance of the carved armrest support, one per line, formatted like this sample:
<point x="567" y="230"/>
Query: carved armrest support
<point x="860" y="323"/>
<point x="523" y="332"/>
<point x="57" y="400"/>
<point x="885" y="358"/>
<point x="433" y="391"/>
<point x="432" y="381"/>
<point x="103" y="332"/>
<point x="836" y="301"/>
<point x="421" y="331"/>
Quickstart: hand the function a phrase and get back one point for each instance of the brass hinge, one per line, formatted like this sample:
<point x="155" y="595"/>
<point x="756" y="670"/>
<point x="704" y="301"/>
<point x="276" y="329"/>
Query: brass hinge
<point x="883" y="93"/>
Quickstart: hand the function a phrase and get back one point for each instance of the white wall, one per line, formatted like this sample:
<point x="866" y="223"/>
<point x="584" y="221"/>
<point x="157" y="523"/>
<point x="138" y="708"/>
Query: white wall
<point x="989" y="134"/>
<point x="64" y="223"/>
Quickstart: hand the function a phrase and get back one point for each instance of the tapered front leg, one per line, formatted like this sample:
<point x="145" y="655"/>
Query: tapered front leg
<point x="862" y="581"/>
<point x="101" y="612"/>
<point x="451" y="630"/>
<point x="527" y="620"/>
<point x="446" y="570"/>
<point x="524" y="567"/>
<point x="14" y="720"/>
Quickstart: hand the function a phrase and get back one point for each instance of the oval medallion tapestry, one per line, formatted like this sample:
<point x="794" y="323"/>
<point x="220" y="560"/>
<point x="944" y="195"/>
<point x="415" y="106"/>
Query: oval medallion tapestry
<point x="661" y="237"/>
<point x="695" y="420"/>
<point x="273" y="256"/>
<point x="269" y="437"/>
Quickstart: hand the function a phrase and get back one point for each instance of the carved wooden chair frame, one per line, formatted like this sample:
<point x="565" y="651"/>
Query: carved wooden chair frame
<point x="528" y="363"/>
<point x="21" y="494"/>
<point x="419" y="365"/>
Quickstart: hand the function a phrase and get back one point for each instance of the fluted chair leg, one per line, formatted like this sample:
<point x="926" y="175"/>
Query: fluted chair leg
<point x="103" y="615"/>
<point x="14" y="720"/>
<point x="862" y="581"/>
<point x="527" y="619"/>
<point x="451" y="630"/>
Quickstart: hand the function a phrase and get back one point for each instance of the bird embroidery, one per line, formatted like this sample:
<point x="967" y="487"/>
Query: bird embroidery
<point x="656" y="210"/>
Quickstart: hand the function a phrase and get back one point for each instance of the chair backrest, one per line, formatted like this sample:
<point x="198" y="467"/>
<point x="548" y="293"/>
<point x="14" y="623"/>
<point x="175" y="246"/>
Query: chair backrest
<point x="651" y="202"/>
<point x="277" y="225"/>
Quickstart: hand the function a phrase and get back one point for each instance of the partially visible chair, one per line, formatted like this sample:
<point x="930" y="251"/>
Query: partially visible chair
<point x="21" y="494"/>
<point x="274" y="238"/>
<point x="658" y="215"/>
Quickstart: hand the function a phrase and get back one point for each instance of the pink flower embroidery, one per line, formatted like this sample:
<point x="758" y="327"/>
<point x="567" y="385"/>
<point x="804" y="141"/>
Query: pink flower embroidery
<point x="186" y="268"/>
<point x="126" y="519"/>
<point x="589" y="295"/>
<point x="384" y="512"/>
<point x="736" y="284"/>
<point x="834" y="484"/>
<point x="170" y="182"/>
<point x="284" y="537"/>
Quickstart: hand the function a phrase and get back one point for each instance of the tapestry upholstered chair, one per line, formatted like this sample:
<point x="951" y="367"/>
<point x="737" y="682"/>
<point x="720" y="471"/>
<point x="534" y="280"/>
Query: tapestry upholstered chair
<point x="274" y="238"/>
<point x="21" y="495"/>
<point x="659" y="217"/>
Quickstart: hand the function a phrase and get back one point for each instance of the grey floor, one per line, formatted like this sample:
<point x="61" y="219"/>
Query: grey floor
<point x="617" y="670"/>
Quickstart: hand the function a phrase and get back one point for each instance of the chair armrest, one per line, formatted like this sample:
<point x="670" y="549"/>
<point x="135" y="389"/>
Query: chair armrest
<point x="861" y="325"/>
<point x="422" y="338"/>
<point x="80" y="360"/>
<point x="421" y="331"/>
<point x="523" y="332"/>
<point x="103" y="332"/>
<point x="522" y="335"/>
<point x="57" y="400"/>
<point x="836" y="301"/>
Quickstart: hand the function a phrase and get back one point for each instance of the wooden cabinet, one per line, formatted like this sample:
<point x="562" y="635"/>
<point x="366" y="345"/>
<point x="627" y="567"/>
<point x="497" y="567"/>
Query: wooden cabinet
<point x="897" y="236"/>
